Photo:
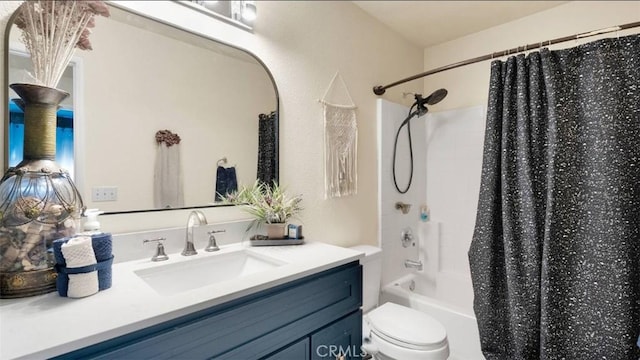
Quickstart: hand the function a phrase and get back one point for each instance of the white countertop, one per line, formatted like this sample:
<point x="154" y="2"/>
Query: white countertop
<point x="49" y="325"/>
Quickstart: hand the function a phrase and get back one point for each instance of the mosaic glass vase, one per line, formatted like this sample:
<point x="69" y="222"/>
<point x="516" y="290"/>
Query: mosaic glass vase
<point x="38" y="200"/>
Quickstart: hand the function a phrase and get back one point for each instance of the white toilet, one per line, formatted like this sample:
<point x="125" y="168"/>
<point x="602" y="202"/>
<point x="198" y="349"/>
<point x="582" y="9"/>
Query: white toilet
<point x="395" y="332"/>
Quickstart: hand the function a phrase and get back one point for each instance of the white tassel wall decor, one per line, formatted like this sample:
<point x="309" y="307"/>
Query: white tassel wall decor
<point x="340" y="146"/>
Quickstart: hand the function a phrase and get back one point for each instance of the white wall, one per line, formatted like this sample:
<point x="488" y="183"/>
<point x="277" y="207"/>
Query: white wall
<point x="304" y="43"/>
<point x="455" y="149"/>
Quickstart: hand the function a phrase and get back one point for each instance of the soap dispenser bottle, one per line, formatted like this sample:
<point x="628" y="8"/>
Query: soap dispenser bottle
<point x="92" y="225"/>
<point x="425" y="214"/>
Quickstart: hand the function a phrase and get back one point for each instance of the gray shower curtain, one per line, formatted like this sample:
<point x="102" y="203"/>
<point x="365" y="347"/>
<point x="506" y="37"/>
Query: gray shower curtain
<point x="267" y="142"/>
<point x="555" y="256"/>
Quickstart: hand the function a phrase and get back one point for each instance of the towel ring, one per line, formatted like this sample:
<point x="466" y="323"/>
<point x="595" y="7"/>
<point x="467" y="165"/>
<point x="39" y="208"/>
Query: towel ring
<point x="222" y="161"/>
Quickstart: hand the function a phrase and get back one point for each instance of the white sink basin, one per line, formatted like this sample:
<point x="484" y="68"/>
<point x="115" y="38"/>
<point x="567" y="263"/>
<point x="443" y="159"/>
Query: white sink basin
<point x="194" y="273"/>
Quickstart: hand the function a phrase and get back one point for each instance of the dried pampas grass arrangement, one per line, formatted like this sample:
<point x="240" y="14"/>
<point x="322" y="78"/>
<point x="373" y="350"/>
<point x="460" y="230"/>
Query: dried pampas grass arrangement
<point x="52" y="29"/>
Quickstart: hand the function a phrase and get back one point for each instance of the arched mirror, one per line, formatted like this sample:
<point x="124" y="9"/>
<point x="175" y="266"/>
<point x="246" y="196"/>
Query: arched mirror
<point x="141" y="78"/>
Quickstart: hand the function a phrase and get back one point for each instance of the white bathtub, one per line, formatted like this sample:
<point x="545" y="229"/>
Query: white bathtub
<point x="418" y="292"/>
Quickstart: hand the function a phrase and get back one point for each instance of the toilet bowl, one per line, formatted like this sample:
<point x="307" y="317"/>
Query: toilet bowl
<point x="392" y="331"/>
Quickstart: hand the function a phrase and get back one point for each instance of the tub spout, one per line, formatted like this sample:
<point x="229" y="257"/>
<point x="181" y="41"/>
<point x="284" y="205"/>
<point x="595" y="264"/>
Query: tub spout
<point x="413" y="264"/>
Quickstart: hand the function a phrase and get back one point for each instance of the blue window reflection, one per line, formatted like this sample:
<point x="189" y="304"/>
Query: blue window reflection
<point x="64" y="137"/>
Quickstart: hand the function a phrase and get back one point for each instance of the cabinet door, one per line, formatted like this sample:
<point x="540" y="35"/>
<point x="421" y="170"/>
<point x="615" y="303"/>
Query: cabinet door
<point x="297" y="351"/>
<point x="341" y="340"/>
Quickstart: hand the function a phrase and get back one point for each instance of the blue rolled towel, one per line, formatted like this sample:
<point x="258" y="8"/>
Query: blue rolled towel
<point x="104" y="275"/>
<point x="102" y="247"/>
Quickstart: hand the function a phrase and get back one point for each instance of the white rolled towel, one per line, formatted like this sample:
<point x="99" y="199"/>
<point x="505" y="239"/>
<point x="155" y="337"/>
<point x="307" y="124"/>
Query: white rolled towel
<point x="78" y="252"/>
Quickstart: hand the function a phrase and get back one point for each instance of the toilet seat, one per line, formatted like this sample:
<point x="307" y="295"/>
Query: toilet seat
<point x="407" y="328"/>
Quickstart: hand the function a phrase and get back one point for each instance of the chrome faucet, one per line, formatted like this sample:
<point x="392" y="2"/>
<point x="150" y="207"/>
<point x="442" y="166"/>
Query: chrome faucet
<point x="189" y="248"/>
<point x="413" y="264"/>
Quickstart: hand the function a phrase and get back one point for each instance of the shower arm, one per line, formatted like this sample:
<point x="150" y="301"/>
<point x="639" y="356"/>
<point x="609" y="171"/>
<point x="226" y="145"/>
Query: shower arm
<point x="380" y="90"/>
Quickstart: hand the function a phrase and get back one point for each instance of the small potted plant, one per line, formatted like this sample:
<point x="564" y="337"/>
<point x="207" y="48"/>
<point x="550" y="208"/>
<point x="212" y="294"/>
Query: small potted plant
<point x="270" y="205"/>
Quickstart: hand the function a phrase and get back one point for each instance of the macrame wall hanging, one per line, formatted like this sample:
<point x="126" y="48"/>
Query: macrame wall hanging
<point x="340" y="143"/>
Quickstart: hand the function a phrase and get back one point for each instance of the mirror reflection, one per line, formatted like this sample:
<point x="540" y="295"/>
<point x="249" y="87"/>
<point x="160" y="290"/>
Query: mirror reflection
<point x="144" y="81"/>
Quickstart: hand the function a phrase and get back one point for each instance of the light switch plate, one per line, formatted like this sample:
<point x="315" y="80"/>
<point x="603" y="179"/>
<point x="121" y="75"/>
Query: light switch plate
<point x="104" y="193"/>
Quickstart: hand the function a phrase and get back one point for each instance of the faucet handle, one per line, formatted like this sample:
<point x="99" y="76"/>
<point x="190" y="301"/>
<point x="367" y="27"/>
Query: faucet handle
<point x="212" y="240"/>
<point x="160" y="254"/>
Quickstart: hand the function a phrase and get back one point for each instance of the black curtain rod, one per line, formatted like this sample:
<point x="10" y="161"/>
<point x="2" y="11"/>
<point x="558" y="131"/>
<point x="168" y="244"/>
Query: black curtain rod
<point x="379" y="90"/>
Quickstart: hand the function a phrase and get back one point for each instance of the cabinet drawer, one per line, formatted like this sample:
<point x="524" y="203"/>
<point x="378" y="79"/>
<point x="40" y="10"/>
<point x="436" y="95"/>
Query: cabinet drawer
<point x="297" y="351"/>
<point x="340" y="340"/>
<point x="246" y="328"/>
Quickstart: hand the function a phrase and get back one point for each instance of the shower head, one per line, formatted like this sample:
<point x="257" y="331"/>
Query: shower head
<point x="421" y="103"/>
<point x="435" y="97"/>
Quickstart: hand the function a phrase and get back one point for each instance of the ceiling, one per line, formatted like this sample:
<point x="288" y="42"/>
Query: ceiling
<point x="427" y="23"/>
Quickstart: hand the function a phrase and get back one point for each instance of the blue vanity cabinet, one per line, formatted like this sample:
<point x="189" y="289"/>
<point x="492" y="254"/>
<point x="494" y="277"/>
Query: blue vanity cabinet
<point x="283" y="322"/>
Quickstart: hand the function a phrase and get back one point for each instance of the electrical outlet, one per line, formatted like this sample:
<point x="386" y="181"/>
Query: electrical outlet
<point x="104" y="193"/>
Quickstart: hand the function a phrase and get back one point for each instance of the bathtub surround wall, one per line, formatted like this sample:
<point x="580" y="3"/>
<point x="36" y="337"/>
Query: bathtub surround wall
<point x="442" y="288"/>
<point x="392" y="221"/>
<point x="454" y="157"/>
<point x="303" y="53"/>
<point x="441" y="141"/>
<point x="454" y="160"/>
